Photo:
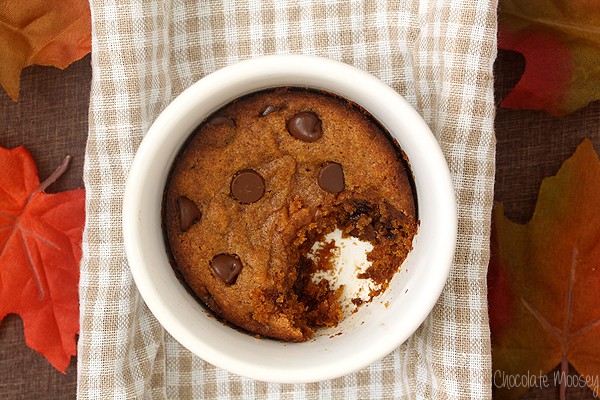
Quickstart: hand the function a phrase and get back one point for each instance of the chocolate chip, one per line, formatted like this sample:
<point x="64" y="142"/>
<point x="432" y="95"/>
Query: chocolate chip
<point x="331" y="177"/>
<point x="305" y="126"/>
<point x="223" y="120"/>
<point x="269" y="110"/>
<point x="227" y="267"/>
<point x="189" y="213"/>
<point x="247" y="186"/>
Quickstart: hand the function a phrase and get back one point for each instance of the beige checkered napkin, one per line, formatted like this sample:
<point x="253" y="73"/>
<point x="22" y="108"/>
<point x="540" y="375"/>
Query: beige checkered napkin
<point x="437" y="53"/>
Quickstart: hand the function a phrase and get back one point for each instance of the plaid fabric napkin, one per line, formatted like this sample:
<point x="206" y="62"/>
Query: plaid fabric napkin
<point x="438" y="54"/>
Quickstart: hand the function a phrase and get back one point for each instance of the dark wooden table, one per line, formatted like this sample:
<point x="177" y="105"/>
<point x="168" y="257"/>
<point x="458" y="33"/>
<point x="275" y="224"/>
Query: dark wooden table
<point x="51" y="121"/>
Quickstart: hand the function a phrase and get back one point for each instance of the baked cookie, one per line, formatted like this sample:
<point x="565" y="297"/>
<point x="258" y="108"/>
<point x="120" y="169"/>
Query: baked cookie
<point x="263" y="179"/>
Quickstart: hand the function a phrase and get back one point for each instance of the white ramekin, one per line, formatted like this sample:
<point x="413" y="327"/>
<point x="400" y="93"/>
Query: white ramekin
<point x="368" y="335"/>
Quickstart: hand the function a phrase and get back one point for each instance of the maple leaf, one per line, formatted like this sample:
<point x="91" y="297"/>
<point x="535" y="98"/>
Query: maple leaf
<point x="40" y="250"/>
<point x="41" y="32"/>
<point x="544" y="281"/>
<point x="560" y="40"/>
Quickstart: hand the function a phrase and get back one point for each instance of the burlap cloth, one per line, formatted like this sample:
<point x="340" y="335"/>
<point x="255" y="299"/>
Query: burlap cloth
<point x="439" y="54"/>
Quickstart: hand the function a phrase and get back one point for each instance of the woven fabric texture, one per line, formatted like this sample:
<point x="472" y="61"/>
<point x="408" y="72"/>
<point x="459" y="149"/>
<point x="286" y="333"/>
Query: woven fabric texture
<point x="438" y="54"/>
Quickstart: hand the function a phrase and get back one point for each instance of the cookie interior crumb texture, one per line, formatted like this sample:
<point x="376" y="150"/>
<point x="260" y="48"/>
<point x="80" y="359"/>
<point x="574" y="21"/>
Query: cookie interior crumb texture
<point x="253" y="197"/>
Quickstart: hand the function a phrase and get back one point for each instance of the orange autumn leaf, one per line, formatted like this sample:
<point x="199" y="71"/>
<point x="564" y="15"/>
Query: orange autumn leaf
<point x="560" y="40"/>
<point x="41" y="32"/>
<point x="40" y="250"/>
<point x="544" y="281"/>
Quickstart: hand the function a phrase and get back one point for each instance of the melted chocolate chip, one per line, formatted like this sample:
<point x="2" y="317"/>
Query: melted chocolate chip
<point x="223" y="120"/>
<point x="331" y="177"/>
<point x="227" y="267"/>
<point x="269" y="110"/>
<point x="360" y="208"/>
<point x="305" y="126"/>
<point x="247" y="186"/>
<point x="189" y="213"/>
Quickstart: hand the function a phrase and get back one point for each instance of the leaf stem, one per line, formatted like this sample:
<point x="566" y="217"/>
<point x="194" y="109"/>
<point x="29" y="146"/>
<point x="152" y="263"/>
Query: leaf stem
<point x="56" y="174"/>
<point x="578" y="29"/>
<point x="566" y="339"/>
<point x="18" y="229"/>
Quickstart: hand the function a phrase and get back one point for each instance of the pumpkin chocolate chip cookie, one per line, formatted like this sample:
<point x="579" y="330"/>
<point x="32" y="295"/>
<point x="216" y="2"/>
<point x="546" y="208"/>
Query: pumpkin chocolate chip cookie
<point x="265" y="178"/>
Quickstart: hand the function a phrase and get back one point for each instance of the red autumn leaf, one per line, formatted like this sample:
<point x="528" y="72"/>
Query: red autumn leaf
<point x="41" y="32"/>
<point x="560" y="40"/>
<point x="40" y="250"/>
<point x="544" y="282"/>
